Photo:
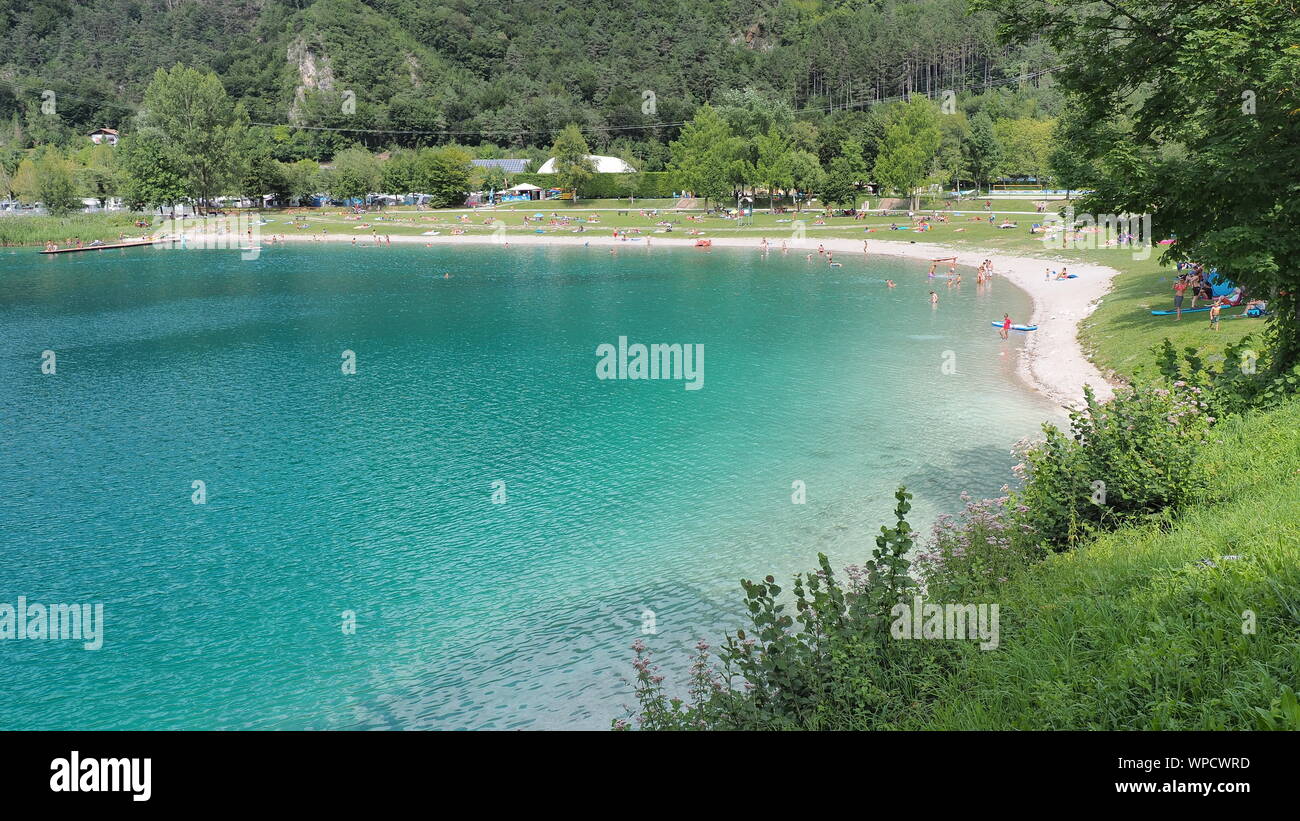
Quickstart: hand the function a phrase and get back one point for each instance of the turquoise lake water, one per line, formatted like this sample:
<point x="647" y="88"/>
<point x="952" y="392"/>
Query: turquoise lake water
<point x="373" y="492"/>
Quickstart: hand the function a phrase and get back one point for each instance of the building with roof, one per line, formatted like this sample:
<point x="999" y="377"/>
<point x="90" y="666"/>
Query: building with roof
<point x="506" y="166"/>
<point x="603" y="165"/>
<point x="103" y="135"/>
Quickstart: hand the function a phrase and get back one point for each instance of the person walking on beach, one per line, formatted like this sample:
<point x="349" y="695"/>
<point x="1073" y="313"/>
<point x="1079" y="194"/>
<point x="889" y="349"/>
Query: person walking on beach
<point x="1180" y="286"/>
<point x="1006" y="326"/>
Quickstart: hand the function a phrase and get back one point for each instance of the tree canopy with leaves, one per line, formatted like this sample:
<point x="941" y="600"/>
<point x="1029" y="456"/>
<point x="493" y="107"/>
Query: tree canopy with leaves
<point x="573" y="166"/>
<point x="847" y="172"/>
<point x="150" y="176"/>
<point x="203" y="128"/>
<point x="356" y="173"/>
<point x="909" y="148"/>
<point x="55" y="184"/>
<point x="705" y="154"/>
<point x="1209" y="96"/>
<point x="981" y="150"/>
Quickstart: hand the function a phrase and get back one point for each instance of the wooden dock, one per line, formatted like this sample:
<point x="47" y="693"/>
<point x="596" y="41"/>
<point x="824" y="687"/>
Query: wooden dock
<point x="105" y="247"/>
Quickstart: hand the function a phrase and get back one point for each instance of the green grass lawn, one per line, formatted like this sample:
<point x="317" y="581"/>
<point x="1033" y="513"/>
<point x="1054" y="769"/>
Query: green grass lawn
<point x="1137" y="632"/>
<point x="38" y="230"/>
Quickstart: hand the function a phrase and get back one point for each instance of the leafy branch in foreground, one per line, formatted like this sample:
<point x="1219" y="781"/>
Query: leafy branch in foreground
<point x="786" y="670"/>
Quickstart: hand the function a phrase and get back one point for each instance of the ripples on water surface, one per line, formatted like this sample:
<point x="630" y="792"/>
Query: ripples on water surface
<point x="372" y="492"/>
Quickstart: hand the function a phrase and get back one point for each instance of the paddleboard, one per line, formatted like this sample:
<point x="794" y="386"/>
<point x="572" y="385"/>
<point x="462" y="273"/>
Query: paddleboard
<point x="1016" y="327"/>
<point x="1174" y="313"/>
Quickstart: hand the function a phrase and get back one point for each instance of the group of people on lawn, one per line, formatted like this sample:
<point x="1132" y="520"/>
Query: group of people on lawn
<point x="1193" y="277"/>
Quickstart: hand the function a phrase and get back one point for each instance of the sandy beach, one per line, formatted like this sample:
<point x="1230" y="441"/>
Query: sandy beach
<point x="1053" y="361"/>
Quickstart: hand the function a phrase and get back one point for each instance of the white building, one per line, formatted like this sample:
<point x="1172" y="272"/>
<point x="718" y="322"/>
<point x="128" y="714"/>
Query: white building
<point x="103" y="135"/>
<point x="603" y="165"/>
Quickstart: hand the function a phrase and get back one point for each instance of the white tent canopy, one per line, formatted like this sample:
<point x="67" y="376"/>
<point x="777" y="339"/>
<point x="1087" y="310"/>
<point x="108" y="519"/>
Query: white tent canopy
<point x="524" y="186"/>
<point x="603" y="165"/>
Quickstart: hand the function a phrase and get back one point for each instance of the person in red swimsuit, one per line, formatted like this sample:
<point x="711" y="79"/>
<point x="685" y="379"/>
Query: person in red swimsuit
<point x="1006" y="325"/>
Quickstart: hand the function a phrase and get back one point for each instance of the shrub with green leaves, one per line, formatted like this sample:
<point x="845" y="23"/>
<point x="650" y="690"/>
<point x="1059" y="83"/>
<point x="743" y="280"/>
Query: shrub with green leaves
<point x="1249" y="378"/>
<point x="831" y="664"/>
<point x="971" y="554"/>
<point x="1129" y="459"/>
<point x="1139" y="629"/>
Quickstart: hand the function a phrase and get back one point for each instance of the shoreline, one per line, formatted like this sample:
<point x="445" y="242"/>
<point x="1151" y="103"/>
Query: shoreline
<point x="1053" y="361"/>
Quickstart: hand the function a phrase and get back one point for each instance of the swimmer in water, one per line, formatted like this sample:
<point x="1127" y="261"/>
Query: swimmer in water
<point x="934" y="298"/>
<point x="889" y="283"/>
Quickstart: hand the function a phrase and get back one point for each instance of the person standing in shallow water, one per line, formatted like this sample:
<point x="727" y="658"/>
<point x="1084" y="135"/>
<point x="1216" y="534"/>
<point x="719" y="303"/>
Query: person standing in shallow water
<point x="1006" y="326"/>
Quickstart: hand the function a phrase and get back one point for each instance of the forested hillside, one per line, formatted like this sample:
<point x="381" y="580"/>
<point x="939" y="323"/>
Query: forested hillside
<point x="507" y="73"/>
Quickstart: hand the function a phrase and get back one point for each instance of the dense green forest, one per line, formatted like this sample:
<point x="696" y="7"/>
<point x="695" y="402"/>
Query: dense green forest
<point x="411" y="72"/>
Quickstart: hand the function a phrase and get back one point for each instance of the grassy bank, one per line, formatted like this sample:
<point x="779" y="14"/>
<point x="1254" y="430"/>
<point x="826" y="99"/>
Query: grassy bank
<point x="38" y="230"/>
<point x="1137" y="631"/>
<point x="1186" y="618"/>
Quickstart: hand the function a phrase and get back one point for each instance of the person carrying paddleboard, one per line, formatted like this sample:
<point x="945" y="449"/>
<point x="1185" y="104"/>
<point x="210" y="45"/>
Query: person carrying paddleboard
<point x="1006" y="326"/>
